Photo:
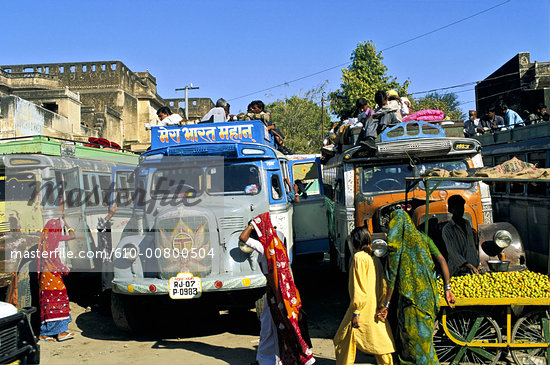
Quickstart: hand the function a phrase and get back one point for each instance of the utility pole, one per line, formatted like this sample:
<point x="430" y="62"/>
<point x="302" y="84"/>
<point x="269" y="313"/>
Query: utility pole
<point x="322" y="117"/>
<point x="187" y="88"/>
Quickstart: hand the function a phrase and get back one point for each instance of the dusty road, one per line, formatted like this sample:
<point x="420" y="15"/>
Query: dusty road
<point x="189" y="338"/>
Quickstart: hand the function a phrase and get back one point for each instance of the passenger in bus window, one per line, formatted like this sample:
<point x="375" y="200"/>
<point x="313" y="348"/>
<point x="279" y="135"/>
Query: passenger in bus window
<point x="367" y="289"/>
<point x="284" y="335"/>
<point x="458" y="235"/>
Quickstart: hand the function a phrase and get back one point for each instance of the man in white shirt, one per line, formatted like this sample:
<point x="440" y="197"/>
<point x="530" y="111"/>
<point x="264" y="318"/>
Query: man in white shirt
<point x="220" y="113"/>
<point x="167" y="118"/>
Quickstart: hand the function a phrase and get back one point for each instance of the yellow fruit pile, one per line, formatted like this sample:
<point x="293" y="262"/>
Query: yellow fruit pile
<point x="516" y="284"/>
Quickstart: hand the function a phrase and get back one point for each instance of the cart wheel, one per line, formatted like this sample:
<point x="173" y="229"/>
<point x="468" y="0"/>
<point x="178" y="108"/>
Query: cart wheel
<point x="529" y="329"/>
<point x="467" y="326"/>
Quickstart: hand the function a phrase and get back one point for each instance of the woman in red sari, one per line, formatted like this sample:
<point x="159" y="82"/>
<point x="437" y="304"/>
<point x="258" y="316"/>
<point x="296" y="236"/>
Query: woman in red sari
<point x="54" y="302"/>
<point x="281" y="340"/>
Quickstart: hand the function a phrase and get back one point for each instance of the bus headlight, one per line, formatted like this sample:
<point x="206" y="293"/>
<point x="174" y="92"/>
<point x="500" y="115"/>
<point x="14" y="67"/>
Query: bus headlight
<point x="379" y="247"/>
<point x="130" y="252"/>
<point x="502" y="238"/>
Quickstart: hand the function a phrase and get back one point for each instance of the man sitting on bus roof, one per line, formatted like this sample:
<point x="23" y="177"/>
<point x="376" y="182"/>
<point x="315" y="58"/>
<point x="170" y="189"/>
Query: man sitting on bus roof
<point x="167" y="118"/>
<point x="220" y="113"/>
<point x="458" y="236"/>
<point x="387" y="114"/>
<point x="511" y="118"/>
<point x="491" y="121"/>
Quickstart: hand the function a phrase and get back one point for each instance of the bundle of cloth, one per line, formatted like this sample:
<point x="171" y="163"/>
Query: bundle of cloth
<point x="426" y="115"/>
<point x="515" y="168"/>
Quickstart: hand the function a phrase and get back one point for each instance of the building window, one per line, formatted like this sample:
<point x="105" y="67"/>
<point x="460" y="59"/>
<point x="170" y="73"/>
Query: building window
<point x="51" y="107"/>
<point x="103" y="67"/>
<point x="61" y="69"/>
<point x="93" y="68"/>
<point x="113" y="66"/>
<point x="84" y="68"/>
<point x="73" y="68"/>
<point x="171" y="103"/>
<point x="194" y="103"/>
<point x="181" y="104"/>
<point x="47" y="69"/>
<point x="8" y="70"/>
<point x="28" y="69"/>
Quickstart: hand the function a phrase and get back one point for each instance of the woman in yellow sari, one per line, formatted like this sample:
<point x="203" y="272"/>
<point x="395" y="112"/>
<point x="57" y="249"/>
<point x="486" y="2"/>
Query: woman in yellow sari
<point x="360" y="328"/>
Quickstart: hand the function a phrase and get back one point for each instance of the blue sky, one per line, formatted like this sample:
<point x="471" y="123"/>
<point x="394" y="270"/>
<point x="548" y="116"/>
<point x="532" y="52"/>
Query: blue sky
<point x="234" y="47"/>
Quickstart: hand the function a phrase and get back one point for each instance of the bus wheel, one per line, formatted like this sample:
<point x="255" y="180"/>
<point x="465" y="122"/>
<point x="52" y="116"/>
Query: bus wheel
<point x="124" y="310"/>
<point x="259" y="304"/>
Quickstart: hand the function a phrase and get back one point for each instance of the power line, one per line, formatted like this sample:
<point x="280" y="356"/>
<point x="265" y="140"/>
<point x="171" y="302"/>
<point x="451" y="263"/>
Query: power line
<point x="383" y="50"/>
<point x="465" y="84"/>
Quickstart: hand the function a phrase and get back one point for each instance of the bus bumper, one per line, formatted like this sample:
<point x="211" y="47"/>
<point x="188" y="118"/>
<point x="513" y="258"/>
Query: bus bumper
<point x="143" y="286"/>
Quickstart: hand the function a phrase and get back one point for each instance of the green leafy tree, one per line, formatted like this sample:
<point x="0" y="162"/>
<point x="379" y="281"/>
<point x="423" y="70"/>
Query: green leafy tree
<point x="448" y="103"/>
<point x="363" y="78"/>
<point x="299" y="118"/>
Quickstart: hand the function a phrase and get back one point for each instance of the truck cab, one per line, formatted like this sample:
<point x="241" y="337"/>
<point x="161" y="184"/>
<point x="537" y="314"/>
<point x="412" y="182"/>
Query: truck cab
<point x="366" y="186"/>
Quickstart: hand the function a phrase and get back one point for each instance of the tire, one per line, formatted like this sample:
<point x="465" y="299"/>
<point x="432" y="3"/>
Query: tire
<point x="259" y="304"/>
<point x="124" y="310"/>
<point x="529" y="329"/>
<point x="461" y="322"/>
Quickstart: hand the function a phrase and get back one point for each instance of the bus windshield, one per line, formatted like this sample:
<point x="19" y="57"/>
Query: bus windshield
<point x="449" y="166"/>
<point x="236" y="179"/>
<point x="385" y="178"/>
<point x="177" y="182"/>
<point x="382" y="178"/>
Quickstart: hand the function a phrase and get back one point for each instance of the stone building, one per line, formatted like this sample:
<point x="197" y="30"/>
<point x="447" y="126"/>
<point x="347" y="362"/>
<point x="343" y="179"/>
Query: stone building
<point x="519" y="83"/>
<point x="197" y="107"/>
<point x="104" y="99"/>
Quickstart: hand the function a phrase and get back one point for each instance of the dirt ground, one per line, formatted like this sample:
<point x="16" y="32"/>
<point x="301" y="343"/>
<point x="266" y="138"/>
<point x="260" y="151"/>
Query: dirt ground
<point x="198" y="338"/>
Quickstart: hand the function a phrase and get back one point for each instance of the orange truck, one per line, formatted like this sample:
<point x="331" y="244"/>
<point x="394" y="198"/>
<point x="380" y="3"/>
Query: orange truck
<point x="364" y="187"/>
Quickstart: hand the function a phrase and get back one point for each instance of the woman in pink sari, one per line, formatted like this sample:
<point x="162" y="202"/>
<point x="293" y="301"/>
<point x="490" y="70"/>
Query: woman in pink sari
<point x="281" y="340"/>
<point x="54" y="302"/>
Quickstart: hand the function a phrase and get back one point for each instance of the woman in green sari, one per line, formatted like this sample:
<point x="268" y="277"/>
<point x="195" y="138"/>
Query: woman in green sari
<point x="411" y="266"/>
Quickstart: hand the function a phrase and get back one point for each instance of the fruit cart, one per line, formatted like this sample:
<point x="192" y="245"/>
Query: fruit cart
<point x="470" y="333"/>
<point x="480" y="330"/>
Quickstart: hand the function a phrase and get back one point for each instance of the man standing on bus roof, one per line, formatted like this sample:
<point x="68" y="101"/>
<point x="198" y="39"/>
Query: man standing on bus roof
<point x="458" y="236"/>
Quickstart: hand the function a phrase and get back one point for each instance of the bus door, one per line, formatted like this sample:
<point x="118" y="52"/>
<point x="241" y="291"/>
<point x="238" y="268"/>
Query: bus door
<point x="310" y="216"/>
<point x="73" y="209"/>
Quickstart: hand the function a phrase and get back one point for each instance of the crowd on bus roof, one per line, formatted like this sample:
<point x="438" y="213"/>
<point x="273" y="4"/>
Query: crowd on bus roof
<point x="502" y="117"/>
<point x="390" y="110"/>
<point x="221" y="113"/>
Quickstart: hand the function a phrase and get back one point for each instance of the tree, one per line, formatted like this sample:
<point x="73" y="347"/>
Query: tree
<point x="448" y="103"/>
<point x="299" y="118"/>
<point x="363" y="78"/>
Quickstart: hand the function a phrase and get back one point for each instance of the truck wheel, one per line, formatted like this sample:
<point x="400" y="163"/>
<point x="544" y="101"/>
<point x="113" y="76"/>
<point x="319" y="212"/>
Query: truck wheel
<point x="260" y="306"/>
<point x="124" y="310"/>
